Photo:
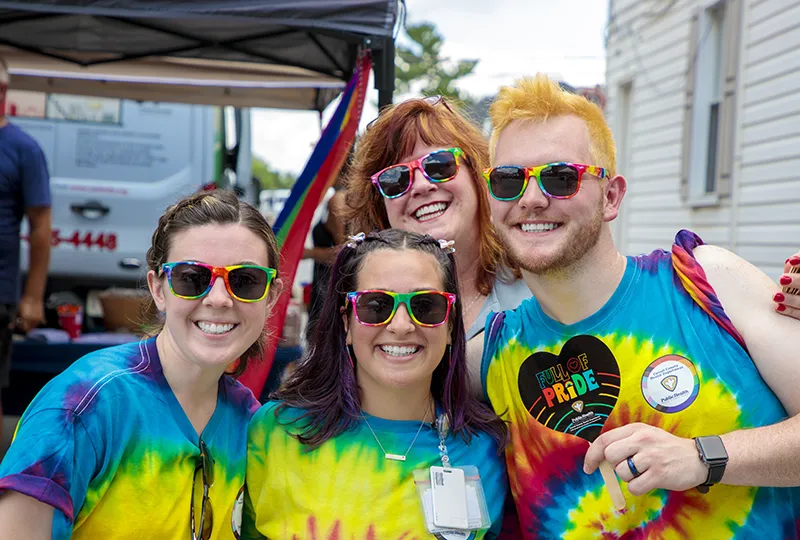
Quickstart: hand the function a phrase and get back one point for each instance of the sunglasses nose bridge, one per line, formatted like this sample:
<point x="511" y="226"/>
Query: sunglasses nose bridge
<point x="219" y="290"/>
<point x="533" y="196"/>
<point x="401" y="321"/>
<point x="420" y="183"/>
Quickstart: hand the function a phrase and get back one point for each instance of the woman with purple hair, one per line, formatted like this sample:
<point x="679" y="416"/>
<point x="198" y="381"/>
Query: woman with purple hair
<point x="356" y="439"/>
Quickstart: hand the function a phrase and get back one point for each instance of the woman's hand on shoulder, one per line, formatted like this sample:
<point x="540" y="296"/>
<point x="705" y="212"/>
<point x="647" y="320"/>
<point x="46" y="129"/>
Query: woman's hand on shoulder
<point x="787" y="301"/>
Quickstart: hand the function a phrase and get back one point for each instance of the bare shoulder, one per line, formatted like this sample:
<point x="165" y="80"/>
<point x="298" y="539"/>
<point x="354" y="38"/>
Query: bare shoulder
<point x="773" y="340"/>
<point x="730" y="274"/>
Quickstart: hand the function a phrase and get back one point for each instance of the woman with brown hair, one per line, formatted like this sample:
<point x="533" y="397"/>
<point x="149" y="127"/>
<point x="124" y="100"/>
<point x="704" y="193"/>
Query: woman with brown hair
<point x="148" y="439"/>
<point x="418" y="167"/>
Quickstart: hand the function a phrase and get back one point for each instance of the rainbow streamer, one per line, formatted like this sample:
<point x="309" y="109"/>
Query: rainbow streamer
<point x="294" y="221"/>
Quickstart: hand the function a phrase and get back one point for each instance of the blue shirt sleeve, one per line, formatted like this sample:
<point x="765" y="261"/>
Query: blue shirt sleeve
<point x="35" y="178"/>
<point x="51" y="459"/>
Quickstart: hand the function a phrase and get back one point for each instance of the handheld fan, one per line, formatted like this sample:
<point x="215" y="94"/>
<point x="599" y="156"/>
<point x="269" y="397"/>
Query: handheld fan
<point x="574" y="393"/>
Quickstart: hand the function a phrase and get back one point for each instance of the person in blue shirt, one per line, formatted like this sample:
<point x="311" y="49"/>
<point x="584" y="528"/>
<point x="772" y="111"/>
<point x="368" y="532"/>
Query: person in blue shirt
<point x="24" y="192"/>
<point x="148" y="439"/>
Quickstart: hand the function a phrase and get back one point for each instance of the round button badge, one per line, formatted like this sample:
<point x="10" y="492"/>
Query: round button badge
<point x="670" y="383"/>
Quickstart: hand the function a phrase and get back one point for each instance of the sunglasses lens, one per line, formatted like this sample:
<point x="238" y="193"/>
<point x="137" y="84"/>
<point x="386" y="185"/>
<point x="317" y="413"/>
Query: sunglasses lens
<point x="560" y="180"/>
<point x="189" y="279"/>
<point x="248" y="283"/>
<point x="374" y="307"/>
<point x="395" y="181"/>
<point x="429" y="308"/>
<point x="440" y="166"/>
<point x="506" y="182"/>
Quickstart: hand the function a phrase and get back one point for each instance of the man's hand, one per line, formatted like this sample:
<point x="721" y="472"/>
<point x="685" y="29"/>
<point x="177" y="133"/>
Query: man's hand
<point x="30" y="313"/>
<point x="663" y="460"/>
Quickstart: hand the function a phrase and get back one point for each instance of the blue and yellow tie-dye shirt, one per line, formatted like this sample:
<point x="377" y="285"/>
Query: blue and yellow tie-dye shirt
<point x="682" y="368"/>
<point x="107" y="444"/>
<point x="346" y="488"/>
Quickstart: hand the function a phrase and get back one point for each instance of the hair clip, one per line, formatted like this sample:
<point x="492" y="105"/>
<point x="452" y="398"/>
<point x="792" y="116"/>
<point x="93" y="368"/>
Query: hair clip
<point x="355" y="240"/>
<point x="447" y="246"/>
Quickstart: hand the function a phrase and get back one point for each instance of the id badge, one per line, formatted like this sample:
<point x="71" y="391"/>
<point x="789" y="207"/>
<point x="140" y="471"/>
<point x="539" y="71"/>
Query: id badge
<point x="453" y="501"/>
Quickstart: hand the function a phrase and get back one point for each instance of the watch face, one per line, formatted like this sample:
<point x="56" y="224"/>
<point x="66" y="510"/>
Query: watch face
<point x="713" y="449"/>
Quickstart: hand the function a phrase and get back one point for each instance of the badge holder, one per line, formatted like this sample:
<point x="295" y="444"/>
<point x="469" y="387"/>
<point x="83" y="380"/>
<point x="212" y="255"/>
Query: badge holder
<point x="452" y="498"/>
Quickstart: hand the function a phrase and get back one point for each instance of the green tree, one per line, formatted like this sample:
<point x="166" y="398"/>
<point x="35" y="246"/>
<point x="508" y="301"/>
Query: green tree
<point x="269" y="178"/>
<point x="423" y="62"/>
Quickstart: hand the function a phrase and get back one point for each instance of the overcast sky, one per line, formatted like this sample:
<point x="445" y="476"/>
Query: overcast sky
<point x="510" y="38"/>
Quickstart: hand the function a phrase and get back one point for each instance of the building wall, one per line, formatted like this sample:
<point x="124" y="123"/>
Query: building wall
<point x="653" y="52"/>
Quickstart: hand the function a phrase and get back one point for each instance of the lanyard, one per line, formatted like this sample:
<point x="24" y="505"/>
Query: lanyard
<point x="443" y="427"/>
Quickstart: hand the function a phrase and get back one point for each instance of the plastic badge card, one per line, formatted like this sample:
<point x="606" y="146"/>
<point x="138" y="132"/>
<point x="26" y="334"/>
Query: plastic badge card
<point x="448" y="495"/>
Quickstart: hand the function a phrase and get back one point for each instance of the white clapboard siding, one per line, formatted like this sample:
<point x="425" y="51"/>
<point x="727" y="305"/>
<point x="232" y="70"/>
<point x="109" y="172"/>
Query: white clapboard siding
<point x="767" y="228"/>
<point x="756" y="214"/>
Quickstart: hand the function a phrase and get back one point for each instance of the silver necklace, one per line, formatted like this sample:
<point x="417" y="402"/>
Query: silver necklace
<point x="388" y="455"/>
<point x="473" y="302"/>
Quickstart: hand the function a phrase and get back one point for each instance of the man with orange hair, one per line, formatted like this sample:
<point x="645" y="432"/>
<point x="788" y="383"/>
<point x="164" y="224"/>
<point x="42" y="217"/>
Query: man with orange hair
<point x="706" y="394"/>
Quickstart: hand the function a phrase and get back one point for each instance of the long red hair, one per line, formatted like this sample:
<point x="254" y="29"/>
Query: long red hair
<point x="393" y="135"/>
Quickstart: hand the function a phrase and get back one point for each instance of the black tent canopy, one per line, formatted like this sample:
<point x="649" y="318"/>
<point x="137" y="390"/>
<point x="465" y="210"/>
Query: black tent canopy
<point x="294" y="54"/>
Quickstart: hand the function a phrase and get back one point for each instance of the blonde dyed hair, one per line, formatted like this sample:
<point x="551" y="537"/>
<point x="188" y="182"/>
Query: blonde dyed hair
<point x="538" y="99"/>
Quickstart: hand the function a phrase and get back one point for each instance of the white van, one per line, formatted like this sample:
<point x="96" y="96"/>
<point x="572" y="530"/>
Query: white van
<point x="115" y="165"/>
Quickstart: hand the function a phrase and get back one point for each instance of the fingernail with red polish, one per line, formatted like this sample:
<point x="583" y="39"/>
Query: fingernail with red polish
<point x="781" y="307"/>
<point x="779" y="297"/>
<point x="785" y="280"/>
<point x="794" y="261"/>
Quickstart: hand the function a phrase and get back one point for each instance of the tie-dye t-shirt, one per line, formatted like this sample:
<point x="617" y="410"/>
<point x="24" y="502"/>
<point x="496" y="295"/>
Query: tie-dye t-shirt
<point x="346" y="488"/>
<point x="680" y="370"/>
<point x="107" y="444"/>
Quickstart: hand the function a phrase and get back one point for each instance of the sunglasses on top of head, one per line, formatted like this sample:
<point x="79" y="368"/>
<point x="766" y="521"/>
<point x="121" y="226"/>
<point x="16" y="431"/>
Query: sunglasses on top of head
<point x="438" y="166"/>
<point x="556" y="180"/>
<point x="429" y="100"/>
<point x="192" y="280"/>
<point x="377" y="308"/>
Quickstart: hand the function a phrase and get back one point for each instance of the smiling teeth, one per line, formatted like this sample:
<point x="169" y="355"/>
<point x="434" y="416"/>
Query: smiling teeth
<point x="214" y="328"/>
<point x="538" y="227"/>
<point x="430" y="211"/>
<point x="395" y="350"/>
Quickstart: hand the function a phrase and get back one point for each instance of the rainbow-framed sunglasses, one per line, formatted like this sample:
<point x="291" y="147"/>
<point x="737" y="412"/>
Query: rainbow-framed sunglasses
<point x="377" y="308"/>
<point x="438" y="166"/>
<point x="556" y="180"/>
<point x="192" y="280"/>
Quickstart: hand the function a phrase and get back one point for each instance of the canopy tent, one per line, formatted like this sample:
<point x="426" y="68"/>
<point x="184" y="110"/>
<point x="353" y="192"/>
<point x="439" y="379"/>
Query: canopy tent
<point x="291" y="54"/>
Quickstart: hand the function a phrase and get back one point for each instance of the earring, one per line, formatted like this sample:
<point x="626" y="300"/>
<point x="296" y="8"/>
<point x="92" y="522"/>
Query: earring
<point x="350" y="355"/>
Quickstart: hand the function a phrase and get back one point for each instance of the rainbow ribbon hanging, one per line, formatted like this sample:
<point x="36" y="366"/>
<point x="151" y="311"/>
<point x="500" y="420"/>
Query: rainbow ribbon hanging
<point x="294" y="221"/>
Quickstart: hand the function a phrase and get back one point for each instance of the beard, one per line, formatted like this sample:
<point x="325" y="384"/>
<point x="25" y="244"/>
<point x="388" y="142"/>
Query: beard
<point x="562" y="255"/>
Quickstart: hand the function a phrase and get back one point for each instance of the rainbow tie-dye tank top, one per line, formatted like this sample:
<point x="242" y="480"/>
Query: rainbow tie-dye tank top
<point x="107" y="444"/>
<point x="683" y="369"/>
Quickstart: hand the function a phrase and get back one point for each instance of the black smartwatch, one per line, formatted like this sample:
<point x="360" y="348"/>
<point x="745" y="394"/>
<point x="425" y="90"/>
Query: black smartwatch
<point x="713" y="454"/>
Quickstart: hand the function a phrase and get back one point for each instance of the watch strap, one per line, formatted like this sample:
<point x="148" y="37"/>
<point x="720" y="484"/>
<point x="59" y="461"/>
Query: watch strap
<point x="716" y="467"/>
